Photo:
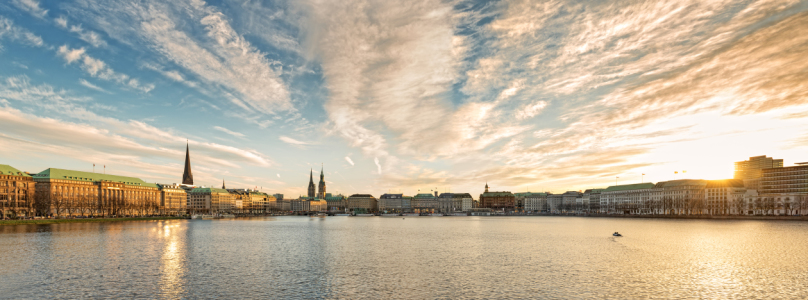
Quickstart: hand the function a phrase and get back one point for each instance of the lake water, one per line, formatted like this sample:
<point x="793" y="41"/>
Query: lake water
<point x="416" y="257"/>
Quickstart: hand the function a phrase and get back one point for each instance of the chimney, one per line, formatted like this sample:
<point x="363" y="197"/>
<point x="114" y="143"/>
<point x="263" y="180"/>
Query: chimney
<point x="436" y="193"/>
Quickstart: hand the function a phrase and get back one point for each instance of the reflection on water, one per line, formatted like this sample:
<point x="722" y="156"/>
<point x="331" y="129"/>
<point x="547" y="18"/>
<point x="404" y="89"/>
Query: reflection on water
<point x="447" y="257"/>
<point x="172" y="261"/>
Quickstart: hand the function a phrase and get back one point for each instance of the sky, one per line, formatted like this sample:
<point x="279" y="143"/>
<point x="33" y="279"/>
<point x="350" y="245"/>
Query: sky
<point x="403" y="96"/>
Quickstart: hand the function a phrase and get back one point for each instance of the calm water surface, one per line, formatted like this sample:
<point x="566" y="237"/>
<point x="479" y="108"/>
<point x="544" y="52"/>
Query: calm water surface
<point x="416" y="257"/>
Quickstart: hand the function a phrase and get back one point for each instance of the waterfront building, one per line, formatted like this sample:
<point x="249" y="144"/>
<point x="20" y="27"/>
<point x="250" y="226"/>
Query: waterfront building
<point x="520" y="201"/>
<point x="424" y="203"/>
<point x="17" y="191"/>
<point x="210" y="201"/>
<point x="684" y="196"/>
<point x="751" y="171"/>
<point x="278" y="204"/>
<point x="252" y="201"/>
<point x="775" y="204"/>
<point x="626" y="199"/>
<point x="554" y="202"/>
<point x="362" y="203"/>
<point x="568" y="201"/>
<point x="305" y="204"/>
<point x="785" y="180"/>
<point x="393" y="203"/>
<point x="454" y="202"/>
<point x="724" y="197"/>
<point x="535" y="202"/>
<point x="505" y="201"/>
<point x="335" y="202"/>
<point x="173" y="199"/>
<point x="75" y="193"/>
<point x="593" y="199"/>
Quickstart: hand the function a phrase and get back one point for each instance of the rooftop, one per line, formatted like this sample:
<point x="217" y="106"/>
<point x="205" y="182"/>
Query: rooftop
<point x="9" y="170"/>
<point x="62" y="174"/>
<point x="628" y="187"/>
<point x="209" y="190"/>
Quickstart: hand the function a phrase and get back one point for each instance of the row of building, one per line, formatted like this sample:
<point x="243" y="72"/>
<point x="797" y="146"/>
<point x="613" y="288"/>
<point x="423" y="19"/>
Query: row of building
<point x="762" y="186"/>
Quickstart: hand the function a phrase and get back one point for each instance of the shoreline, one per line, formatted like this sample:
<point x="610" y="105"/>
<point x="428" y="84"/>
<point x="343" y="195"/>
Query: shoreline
<point x="87" y="220"/>
<point x="682" y="217"/>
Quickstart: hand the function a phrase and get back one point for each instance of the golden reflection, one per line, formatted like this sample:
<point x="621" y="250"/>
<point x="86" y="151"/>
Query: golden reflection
<point x="172" y="261"/>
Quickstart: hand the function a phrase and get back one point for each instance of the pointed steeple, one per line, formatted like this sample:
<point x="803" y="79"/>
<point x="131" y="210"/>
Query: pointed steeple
<point x="223" y="187"/>
<point x="187" y="177"/>
<point x="486" y="186"/>
<point x="321" y="185"/>
<point x="311" y="183"/>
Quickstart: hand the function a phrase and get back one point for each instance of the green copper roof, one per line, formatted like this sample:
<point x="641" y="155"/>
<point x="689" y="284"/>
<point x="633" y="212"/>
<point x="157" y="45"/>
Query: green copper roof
<point x="627" y="187"/>
<point x="497" y="194"/>
<point x="9" y="170"/>
<point x="529" y="194"/>
<point x="423" y="196"/>
<point x="209" y="190"/>
<point x="682" y="182"/>
<point x="54" y="173"/>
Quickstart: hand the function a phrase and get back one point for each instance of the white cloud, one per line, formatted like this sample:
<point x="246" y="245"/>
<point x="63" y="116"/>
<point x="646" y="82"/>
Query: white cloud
<point x="99" y="69"/>
<point x="91" y="37"/>
<point x="61" y="21"/>
<point x="378" y="166"/>
<point x="531" y="110"/>
<point x="16" y="33"/>
<point x="92" y="86"/>
<point x="30" y="6"/>
<point x="222" y="58"/>
<point x="230" y="132"/>
<point x="349" y="160"/>
<point x="292" y="141"/>
<point x="279" y="175"/>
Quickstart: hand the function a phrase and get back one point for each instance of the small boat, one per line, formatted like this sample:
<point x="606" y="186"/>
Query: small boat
<point x="616" y="234"/>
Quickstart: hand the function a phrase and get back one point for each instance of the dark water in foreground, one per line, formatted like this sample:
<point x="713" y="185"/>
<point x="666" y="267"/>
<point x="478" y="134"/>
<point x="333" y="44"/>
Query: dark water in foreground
<point x="420" y="257"/>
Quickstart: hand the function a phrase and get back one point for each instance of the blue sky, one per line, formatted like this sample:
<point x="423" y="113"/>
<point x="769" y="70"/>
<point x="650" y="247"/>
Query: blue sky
<point x="403" y="96"/>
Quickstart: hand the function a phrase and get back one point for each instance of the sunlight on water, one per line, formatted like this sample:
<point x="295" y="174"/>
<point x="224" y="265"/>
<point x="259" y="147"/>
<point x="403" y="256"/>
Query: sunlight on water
<point x="446" y="257"/>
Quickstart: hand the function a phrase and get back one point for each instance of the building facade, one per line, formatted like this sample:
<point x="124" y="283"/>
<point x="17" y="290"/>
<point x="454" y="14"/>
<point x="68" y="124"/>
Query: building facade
<point x="395" y="203"/>
<point x="210" y="201"/>
<point x="75" y="193"/>
<point x="535" y="202"/>
<point x="362" y="204"/>
<point x="625" y="199"/>
<point x="17" y="191"/>
<point x="335" y="202"/>
<point x="424" y="203"/>
<point x="504" y="201"/>
<point x="173" y="199"/>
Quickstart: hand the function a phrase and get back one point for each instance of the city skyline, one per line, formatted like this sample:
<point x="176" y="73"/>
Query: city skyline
<point x="447" y="95"/>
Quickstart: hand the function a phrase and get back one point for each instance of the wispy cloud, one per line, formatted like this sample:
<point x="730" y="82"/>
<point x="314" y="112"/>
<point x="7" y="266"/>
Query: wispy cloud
<point x="15" y="33"/>
<point x="292" y="141"/>
<point x="30" y="6"/>
<point x="99" y="69"/>
<point x="222" y="58"/>
<point x="91" y="37"/>
<point x="230" y="132"/>
<point x="92" y="86"/>
<point x="349" y="160"/>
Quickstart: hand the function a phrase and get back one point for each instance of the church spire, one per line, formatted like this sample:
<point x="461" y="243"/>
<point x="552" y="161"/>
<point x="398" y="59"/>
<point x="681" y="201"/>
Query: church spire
<point x="311" y="183"/>
<point x="223" y="187"/>
<point x="187" y="177"/>
<point x="486" y="186"/>
<point x="321" y="185"/>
